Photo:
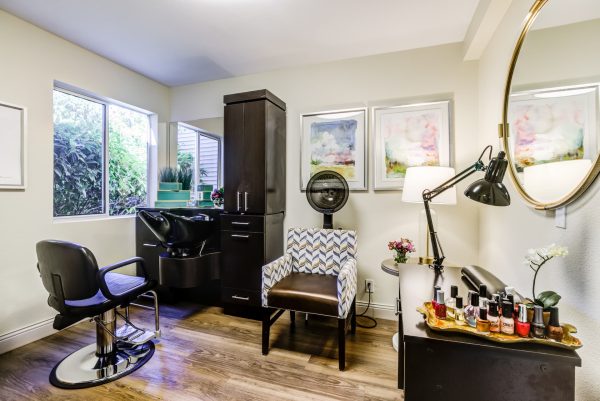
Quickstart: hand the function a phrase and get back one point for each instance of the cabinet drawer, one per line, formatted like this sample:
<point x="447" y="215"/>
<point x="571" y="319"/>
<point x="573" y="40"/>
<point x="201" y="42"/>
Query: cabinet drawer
<point x="240" y="296"/>
<point x="243" y="255"/>
<point x="243" y="223"/>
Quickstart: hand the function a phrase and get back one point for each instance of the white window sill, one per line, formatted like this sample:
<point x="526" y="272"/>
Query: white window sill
<point x="89" y="218"/>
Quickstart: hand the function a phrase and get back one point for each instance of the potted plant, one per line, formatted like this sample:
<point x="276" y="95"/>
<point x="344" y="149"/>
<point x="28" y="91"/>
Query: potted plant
<point x="168" y="180"/>
<point x="401" y="248"/>
<point x="184" y="176"/>
<point x="535" y="259"/>
<point x="218" y="197"/>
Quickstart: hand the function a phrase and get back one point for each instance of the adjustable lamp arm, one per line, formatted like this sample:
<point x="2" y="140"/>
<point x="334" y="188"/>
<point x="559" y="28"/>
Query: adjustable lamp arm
<point x="428" y="195"/>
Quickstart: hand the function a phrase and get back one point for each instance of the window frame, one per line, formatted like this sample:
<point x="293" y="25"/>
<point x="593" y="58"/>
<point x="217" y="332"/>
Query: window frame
<point x="201" y="132"/>
<point x="105" y="102"/>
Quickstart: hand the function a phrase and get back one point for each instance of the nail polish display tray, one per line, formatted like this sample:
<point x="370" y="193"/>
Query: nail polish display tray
<point x="568" y="342"/>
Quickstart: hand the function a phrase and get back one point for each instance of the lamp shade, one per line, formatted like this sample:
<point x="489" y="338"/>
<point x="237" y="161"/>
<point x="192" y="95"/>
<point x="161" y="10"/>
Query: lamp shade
<point x="550" y="182"/>
<point x="418" y="179"/>
<point x="490" y="190"/>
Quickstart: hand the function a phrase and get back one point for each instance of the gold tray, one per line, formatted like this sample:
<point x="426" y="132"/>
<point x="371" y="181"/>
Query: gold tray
<point x="568" y="342"/>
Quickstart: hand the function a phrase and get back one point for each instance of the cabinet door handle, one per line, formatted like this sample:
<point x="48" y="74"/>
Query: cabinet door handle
<point x="240" y="236"/>
<point x="240" y="223"/>
<point x="245" y="201"/>
<point x="240" y="298"/>
<point x="398" y="307"/>
<point x="150" y="245"/>
<point x="238" y="201"/>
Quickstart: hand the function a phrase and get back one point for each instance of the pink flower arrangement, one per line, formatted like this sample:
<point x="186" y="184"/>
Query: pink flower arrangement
<point x="402" y="248"/>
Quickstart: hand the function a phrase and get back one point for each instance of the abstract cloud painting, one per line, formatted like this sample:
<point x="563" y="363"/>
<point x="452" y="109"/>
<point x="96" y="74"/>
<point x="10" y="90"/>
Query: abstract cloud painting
<point x="407" y="136"/>
<point x="335" y="141"/>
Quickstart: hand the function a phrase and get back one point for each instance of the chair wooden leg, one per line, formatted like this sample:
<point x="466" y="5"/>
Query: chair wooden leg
<point x="342" y="343"/>
<point x="266" y="327"/>
<point x="293" y="317"/>
<point x="353" y="318"/>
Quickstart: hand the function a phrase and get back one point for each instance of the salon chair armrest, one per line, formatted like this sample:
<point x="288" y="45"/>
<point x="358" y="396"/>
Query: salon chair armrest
<point x="125" y="295"/>
<point x="346" y="287"/>
<point x="274" y="272"/>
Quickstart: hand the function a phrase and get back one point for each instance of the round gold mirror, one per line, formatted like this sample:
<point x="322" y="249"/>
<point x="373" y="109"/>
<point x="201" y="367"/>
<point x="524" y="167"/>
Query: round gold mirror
<point x="551" y="124"/>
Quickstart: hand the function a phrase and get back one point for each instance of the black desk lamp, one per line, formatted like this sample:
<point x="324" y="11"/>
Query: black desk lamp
<point x="488" y="190"/>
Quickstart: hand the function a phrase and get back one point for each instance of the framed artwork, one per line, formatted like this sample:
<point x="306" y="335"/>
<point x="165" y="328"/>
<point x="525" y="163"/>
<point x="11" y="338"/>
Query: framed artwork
<point x="335" y="140"/>
<point x="550" y="125"/>
<point x="12" y="148"/>
<point x="407" y="136"/>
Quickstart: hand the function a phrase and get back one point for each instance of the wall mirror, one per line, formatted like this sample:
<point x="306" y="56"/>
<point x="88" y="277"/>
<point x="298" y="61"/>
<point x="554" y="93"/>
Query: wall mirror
<point x="551" y="120"/>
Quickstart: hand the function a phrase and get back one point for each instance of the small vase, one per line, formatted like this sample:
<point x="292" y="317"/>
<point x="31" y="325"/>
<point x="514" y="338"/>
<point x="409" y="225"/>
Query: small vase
<point x="400" y="257"/>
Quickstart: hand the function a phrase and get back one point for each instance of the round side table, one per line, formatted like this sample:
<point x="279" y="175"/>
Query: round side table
<point x="391" y="267"/>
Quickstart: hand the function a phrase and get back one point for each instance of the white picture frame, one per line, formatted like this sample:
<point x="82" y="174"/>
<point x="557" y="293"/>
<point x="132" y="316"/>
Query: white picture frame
<point x="406" y="136"/>
<point x="335" y="140"/>
<point x="13" y="140"/>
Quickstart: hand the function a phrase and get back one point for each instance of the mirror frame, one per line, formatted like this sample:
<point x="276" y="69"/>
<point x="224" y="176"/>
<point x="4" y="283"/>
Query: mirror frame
<point x="503" y="128"/>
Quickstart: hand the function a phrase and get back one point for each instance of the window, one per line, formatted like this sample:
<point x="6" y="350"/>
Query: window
<point x="100" y="156"/>
<point x="201" y="152"/>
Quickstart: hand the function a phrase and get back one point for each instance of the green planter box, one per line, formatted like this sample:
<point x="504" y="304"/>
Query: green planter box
<point x="169" y="186"/>
<point x="205" y="195"/>
<point x="204" y="203"/>
<point x="169" y="204"/>
<point x="204" y="187"/>
<point x="173" y="195"/>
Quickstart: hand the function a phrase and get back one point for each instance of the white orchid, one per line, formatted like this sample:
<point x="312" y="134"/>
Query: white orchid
<point x="536" y="258"/>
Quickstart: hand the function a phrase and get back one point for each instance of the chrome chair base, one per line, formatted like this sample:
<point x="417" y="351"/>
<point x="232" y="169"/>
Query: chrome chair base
<point x="83" y="368"/>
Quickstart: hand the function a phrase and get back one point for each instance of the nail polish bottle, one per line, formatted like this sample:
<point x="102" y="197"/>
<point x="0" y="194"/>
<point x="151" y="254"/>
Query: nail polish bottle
<point x="472" y="310"/>
<point x="523" y="326"/>
<point x="538" y="330"/>
<point x="434" y="299"/>
<point x="511" y="299"/>
<point x="440" y="305"/>
<point x="493" y="317"/>
<point x="451" y="301"/>
<point x="507" y="323"/>
<point x="459" y="312"/>
<point x="483" y="324"/>
<point x="483" y="299"/>
<point x="555" y="331"/>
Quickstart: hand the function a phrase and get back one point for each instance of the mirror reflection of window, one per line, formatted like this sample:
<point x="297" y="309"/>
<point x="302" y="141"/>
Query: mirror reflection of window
<point x="199" y="151"/>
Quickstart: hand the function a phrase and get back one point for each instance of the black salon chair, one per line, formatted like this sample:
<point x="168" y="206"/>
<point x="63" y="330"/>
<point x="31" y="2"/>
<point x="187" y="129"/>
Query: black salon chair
<point x="79" y="289"/>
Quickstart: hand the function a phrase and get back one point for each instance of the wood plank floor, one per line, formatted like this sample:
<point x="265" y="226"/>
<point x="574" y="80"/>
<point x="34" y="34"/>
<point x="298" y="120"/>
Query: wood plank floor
<point x="206" y="355"/>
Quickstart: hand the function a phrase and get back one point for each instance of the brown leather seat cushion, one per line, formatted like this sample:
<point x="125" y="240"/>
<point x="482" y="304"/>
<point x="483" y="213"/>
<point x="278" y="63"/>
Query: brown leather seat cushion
<point x="304" y="292"/>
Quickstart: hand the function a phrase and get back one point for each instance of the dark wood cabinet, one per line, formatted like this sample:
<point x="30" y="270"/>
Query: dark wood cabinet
<point x="252" y="225"/>
<point x="254" y="144"/>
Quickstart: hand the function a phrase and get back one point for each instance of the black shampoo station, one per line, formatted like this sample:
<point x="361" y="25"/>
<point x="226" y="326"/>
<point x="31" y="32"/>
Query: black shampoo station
<point x="184" y="264"/>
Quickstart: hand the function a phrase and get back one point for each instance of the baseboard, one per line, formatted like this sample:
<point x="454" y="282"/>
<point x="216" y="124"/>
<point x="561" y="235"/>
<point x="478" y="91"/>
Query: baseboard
<point x="381" y="311"/>
<point x="26" y="335"/>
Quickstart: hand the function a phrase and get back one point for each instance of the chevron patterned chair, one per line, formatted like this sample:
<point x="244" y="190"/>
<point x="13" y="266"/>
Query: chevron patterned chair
<point x="316" y="275"/>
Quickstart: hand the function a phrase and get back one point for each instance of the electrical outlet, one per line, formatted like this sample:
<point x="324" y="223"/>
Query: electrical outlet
<point x="370" y="285"/>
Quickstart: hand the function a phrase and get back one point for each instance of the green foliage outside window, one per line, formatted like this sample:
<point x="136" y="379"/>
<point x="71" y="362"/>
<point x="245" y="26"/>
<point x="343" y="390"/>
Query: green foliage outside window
<point x="79" y="157"/>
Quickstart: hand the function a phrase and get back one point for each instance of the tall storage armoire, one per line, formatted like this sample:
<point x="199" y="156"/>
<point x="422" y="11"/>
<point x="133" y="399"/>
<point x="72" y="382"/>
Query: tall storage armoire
<point x="252" y="222"/>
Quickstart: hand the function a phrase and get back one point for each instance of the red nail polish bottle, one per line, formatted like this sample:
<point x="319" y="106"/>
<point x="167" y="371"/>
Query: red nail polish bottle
<point x="434" y="299"/>
<point x="523" y="326"/>
<point x="440" y="306"/>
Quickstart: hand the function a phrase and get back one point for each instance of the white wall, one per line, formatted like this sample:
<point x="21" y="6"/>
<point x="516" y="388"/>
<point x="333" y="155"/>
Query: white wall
<point x="507" y="233"/>
<point x="31" y="60"/>
<point x="431" y="73"/>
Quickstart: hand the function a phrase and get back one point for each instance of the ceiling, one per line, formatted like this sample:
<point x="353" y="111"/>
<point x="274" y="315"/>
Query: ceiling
<point x="178" y="42"/>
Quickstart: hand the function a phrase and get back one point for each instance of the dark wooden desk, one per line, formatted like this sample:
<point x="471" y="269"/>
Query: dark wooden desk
<point x="446" y="366"/>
